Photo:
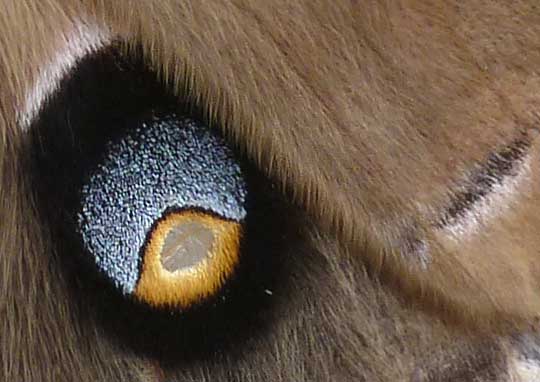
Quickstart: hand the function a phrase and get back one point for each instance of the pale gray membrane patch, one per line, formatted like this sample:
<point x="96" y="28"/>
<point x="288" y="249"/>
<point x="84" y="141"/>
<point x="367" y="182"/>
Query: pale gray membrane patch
<point x="165" y="163"/>
<point x="186" y="246"/>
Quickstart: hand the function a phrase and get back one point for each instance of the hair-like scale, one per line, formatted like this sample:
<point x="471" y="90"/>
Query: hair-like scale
<point x="409" y="249"/>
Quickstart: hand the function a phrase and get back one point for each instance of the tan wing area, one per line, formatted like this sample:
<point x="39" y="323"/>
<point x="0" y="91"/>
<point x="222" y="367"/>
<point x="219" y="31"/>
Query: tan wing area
<point x="415" y="239"/>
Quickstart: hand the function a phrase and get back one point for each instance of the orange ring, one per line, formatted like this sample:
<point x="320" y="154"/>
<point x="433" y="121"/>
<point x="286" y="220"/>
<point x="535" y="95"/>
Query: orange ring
<point x="159" y="286"/>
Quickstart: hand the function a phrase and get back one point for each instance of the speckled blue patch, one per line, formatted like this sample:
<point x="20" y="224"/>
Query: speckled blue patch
<point x="167" y="162"/>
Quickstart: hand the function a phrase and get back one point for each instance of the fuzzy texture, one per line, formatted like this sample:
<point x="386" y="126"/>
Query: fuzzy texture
<point x="375" y="117"/>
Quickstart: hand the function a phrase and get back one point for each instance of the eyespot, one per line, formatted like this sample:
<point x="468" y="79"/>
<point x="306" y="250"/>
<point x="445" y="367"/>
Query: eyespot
<point x="162" y="230"/>
<point x="146" y="200"/>
<point x="162" y="212"/>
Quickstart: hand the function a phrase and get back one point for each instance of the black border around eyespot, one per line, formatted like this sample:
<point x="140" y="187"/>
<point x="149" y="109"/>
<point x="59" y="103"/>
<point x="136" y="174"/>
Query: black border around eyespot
<point x="93" y="106"/>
